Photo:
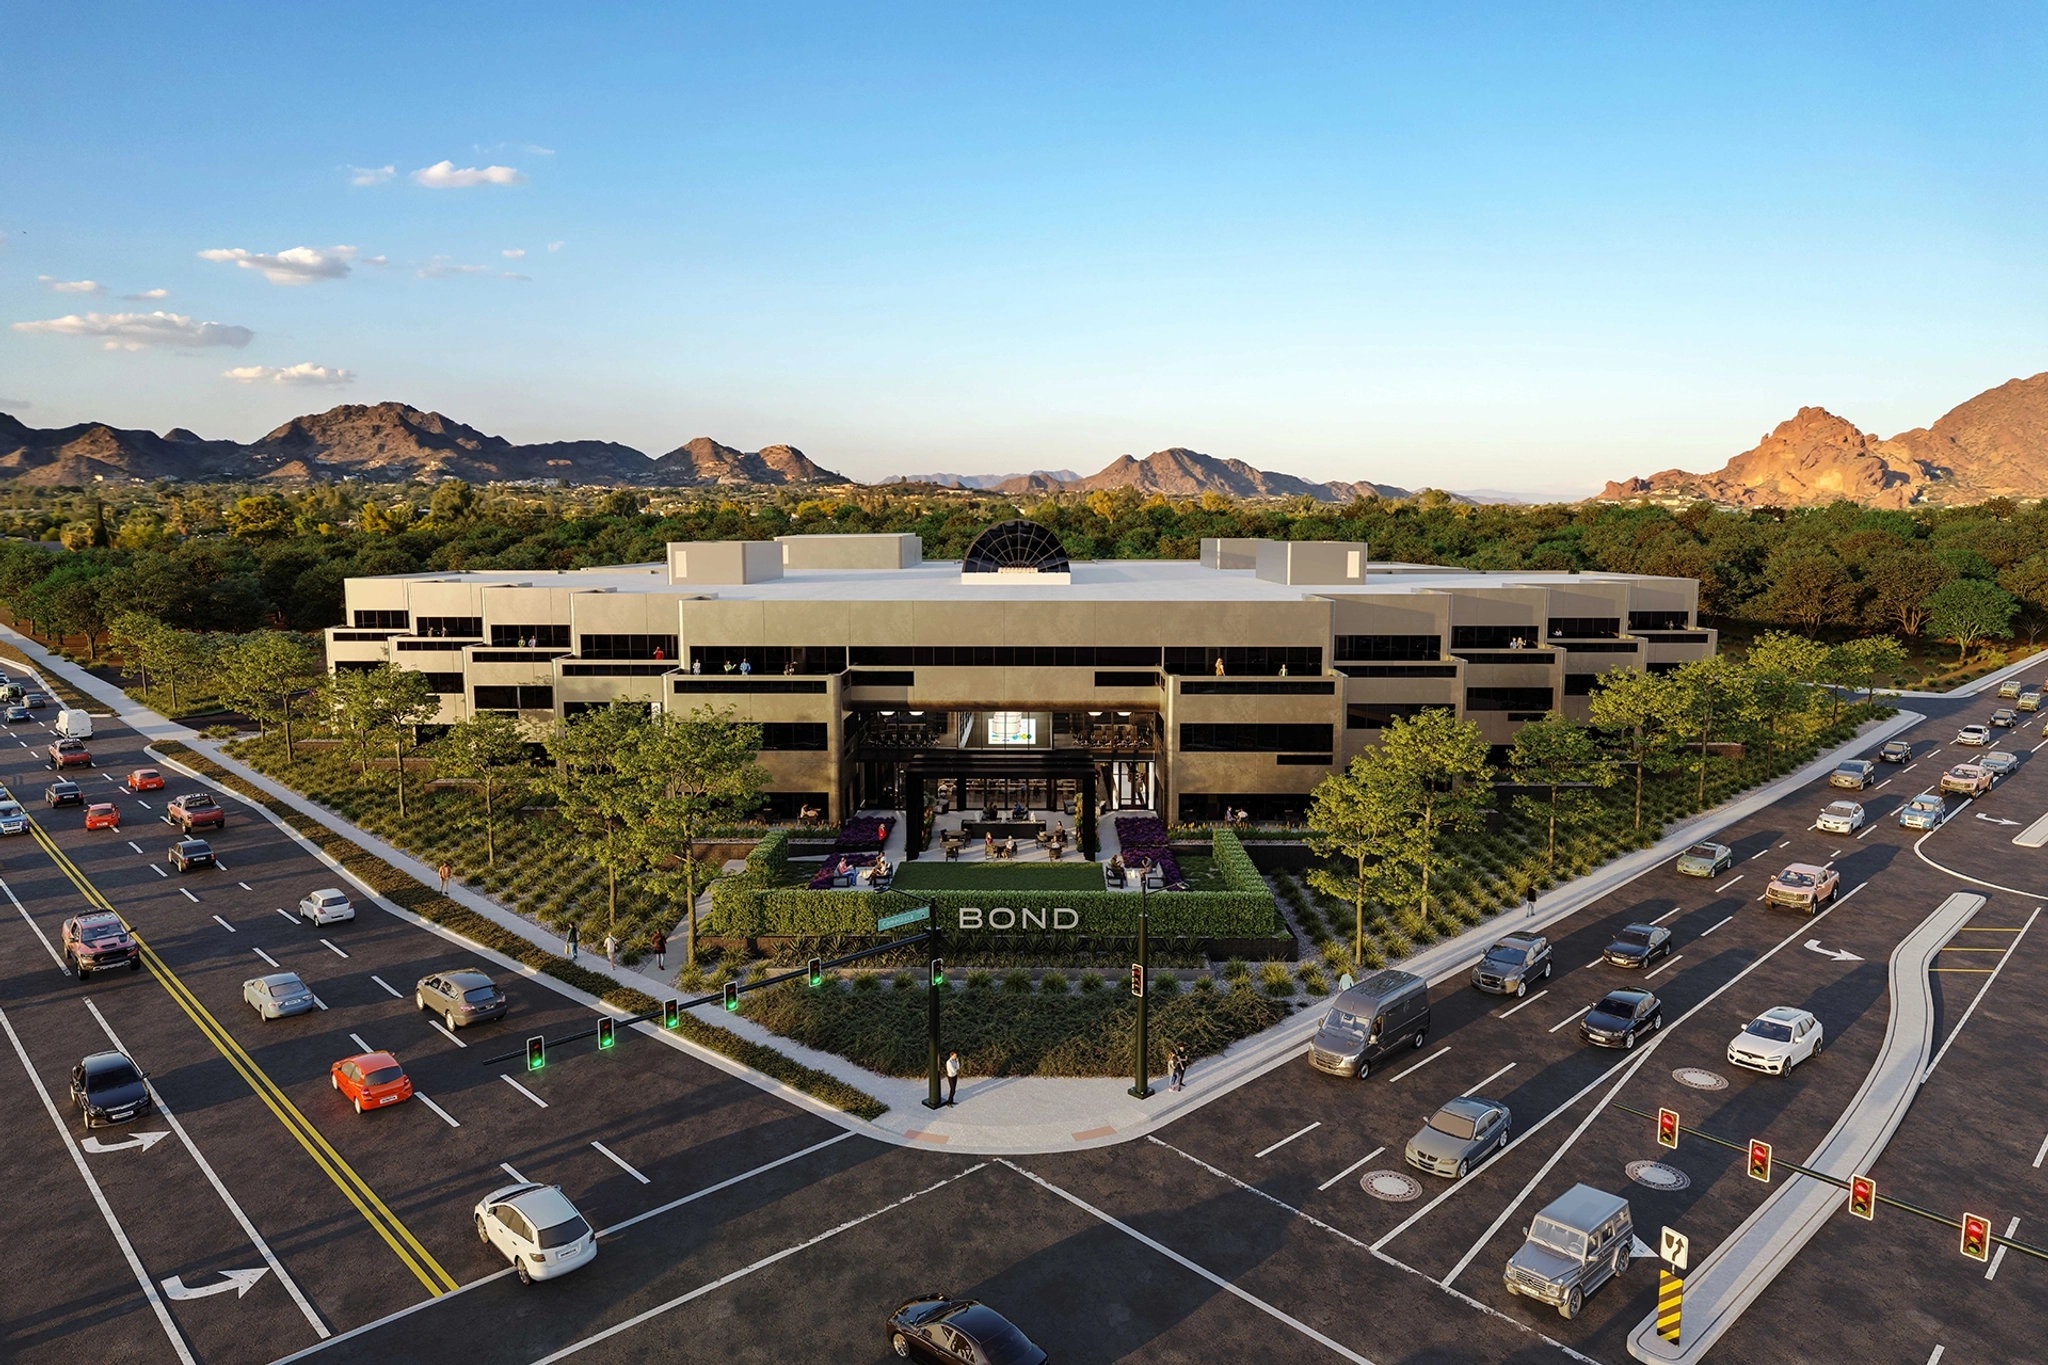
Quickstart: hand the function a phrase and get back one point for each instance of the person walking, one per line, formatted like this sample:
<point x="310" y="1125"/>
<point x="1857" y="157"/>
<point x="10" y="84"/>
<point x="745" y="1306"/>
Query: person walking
<point x="446" y="872"/>
<point x="611" y="952"/>
<point x="1180" y="1066"/>
<point x="660" y="947"/>
<point x="952" y="1076"/>
<point x="575" y="941"/>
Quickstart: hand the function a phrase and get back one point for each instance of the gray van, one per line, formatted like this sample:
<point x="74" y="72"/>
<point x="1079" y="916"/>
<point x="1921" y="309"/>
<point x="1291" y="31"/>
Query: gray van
<point x="1578" y="1243"/>
<point x="1388" y="1009"/>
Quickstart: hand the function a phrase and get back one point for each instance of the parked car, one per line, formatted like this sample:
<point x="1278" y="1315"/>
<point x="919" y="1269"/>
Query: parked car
<point x="1803" y="886"/>
<point x="2029" y="700"/>
<point x="145" y="780"/>
<point x="1967" y="779"/>
<point x="73" y="723"/>
<point x="1621" y="1017"/>
<point x="2004" y="718"/>
<point x="936" y="1327"/>
<point x="460" y="997"/>
<point x="2010" y="687"/>
<point x="1999" y="763"/>
<point x="187" y="854"/>
<point x="18" y="715"/>
<point x="1974" y="735"/>
<point x="1577" y="1243"/>
<point x="13" y="819"/>
<point x="108" y="1088"/>
<point x="103" y="815"/>
<point x="277" y="995"/>
<point x="1855" y="773"/>
<point x="1387" y="1010"/>
<point x="197" y="810"/>
<point x="1511" y="964"/>
<point x="1638" y="946"/>
<point x="69" y="753"/>
<point x="538" y="1230"/>
<point x="1840" y="817"/>
<point x="1458" y="1135"/>
<point x="1706" y="860"/>
<point x="1777" y="1040"/>
<point x="326" y="907"/>
<point x="63" y="793"/>
<point x="370" y="1080"/>
<point x="1896" y="751"/>
<point x="1925" y="811"/>
<point x="99" y="942"/>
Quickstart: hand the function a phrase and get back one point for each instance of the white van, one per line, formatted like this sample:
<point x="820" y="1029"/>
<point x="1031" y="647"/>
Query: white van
<point x="74" y="725"/>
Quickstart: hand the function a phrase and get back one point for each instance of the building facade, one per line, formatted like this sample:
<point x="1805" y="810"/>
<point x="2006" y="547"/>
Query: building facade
<point x="1013" y="676"/>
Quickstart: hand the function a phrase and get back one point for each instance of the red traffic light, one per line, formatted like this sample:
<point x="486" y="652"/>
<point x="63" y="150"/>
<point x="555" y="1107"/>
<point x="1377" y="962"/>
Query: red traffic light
<point x="1137" y="979"/>
<point x="1667" y="1127"/>
<point x="1976" y="1237"/>
<point x="1760" y="1161"/>
<point x="1862" y="1196"/>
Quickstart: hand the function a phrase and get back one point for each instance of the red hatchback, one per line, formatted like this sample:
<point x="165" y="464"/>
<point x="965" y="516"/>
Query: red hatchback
<point x="145" y="780"/>
<point x="372" y="1080"/>
<point x="103" y="815"/>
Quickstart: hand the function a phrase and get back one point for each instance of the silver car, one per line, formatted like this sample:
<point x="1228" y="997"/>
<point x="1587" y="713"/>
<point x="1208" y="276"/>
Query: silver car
<point x="1580" y="1241"/>
<point x="277" y="995"/>
<point x="1999" y="762"/>
<point x="326" y="907"/>
<point x="1458" y="1135"/>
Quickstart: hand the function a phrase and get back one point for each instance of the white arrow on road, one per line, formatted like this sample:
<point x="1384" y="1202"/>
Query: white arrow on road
<point x="1992" y="819"/>
<point x="1839" y="955"/>
<point x="241" y="1281"/>
<point x="143" y="1140"/>
<point x="1641" y="1251"/>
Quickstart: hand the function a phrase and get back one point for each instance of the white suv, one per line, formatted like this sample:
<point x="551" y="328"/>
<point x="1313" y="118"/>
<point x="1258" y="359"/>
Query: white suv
<point x="1974" y="734"/>
<point x="1776" y="1041"/>
<point x="537" y="1229"/>
<point x="326" y="907"/>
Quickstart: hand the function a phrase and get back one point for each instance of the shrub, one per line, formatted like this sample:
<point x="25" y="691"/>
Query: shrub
<point x="1090" y="982"/>
<point x="979" y="981"/>
<point x="904" y="981"/>
<point x="1053" y="983"/>
<point x="1237" y="967"/>
<point x="1165" y="985"/>
<point x="1205" y="985"/>
<point x="1277" y="980"/>
<point x="867" y="981"/>
<point x="1017" y="981"/>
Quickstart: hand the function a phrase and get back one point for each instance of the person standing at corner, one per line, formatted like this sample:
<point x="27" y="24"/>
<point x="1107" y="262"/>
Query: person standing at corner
<point x="575" y="941"/>
<point x="660" y="947"/>
<point x="952" y="1076"/>
<point x="446" y="872"/>
<point x="611" y="952"/>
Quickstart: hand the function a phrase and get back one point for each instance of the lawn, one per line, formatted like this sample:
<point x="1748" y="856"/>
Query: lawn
<point x="939" y="875"/>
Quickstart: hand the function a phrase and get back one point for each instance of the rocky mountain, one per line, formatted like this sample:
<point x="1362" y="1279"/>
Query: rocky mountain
<point x="979" y="481"/>
<point x="1994" y="445"/>
<point x="1182" y="473"/>
<point x="704" y="461"/>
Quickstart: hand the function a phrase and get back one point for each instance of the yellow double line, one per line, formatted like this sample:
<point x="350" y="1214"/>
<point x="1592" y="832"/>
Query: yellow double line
<point x="357" y="1190"/>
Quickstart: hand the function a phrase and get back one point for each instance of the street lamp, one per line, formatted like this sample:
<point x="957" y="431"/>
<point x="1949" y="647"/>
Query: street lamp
<point x="1141" y="1085"/>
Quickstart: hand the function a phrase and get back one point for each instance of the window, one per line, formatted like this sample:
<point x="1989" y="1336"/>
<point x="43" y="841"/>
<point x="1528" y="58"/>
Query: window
<point x="1378" y="715"/>
<point x="788" y="735"/>
<point x="447" y="684"/>
<point x="1580" y="684"/>
<point x="1388" y="646"/>
<point x="626" y="646"/>
<point x="1258" y="687"/>
<point x="1282" y="806"/>
<point x="1255" y="660"/>
<point x="383" y="620"/>
<point x="543" y="637"/>
<point x="1660" y="620"/>
<point x="524" y="698"/>
<point x="1536" y="699"/>
<point x="1005" y="656"/>
<point x="735" y="683"/>
<point x="653" y="670"/>
<point x="1585" y="627"/>
<point x="1127" y="680"/>
<point x="1398" y="670"/>
<point x="1019" y="728"/>
<point x="905" y="678"/>
<point x="811" y="659"/>
<point x="1491" y="637"/>
<point x="791" y="805"/>
<point x="1255" y="739"/>
<point x="1303" y="760"/>
<point x="450" y="627"/>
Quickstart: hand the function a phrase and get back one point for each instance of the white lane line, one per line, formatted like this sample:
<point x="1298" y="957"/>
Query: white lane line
<point x="149" y="1292"/>
<point x="1668" y="965"/>
<point x="1705" y="932"/>
<point x="436" y="1027"/>
<point x="332" y="949"/>
<point x="506" y="1167"/>
<point x="1419" y="1065"/>
<point x="446" y="1117"/>
<point x="1867" y="831"/>
<point x="1491" y="1079"/>
<point x="44" y="938"/>
<point x="219" y="864"/>
<point x="265" y="956"/>
<point x="224" y="924"/>
<point x="726" y="1183"/>
<point x="1989" y="981"/>
<point x="1667" y="915"/>
<point x="1349" y="1169"/>
<point x="1568" y="1019"/>
<point x="2038" y="1156"/>
<point x="1935" y="1359"/>
<point x="188" y="895"/>
<point x="1882" y="785"/>
<point x="159" y="871"/>
<point x="619" y="1162"/>
<point x="1755" y="856"/>
<point x="142" y="803"/>
<point x="137" y="847"/>
<point x="357" y="1039"/>
<point x="318" y="1001"/>
<point x="386" y="985"/>
<point x="522" y="1090"/>
<point x="1525" y="1004"/>
<point x="1998" y="1256"/>
<point x="1832" y="856"/>
<point x="1289" y="1138"/>
<point x="289" y="918"/>
<point x="245" y="886"/>
<point x="1732" y="880"/>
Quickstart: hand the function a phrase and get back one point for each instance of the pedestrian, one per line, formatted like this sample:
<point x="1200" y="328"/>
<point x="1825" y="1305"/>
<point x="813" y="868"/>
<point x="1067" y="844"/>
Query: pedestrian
<point x="660" y="946"/>
<point x="575" y="941"/>
<point x="747" y="667"/>
<point x="611" y="952"/>
<point x="446" y="872"/>
<point x="1180" y="1066"/>
<point x="952" y="1076"/>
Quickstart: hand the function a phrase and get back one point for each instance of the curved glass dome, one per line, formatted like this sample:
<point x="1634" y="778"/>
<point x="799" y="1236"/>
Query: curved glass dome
<point x="1017" y="547"/>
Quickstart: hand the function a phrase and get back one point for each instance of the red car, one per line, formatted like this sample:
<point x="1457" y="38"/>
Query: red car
<point x="103" y="815"/>
<point x="372" y="1080"/>
<point x="145" y="780"/>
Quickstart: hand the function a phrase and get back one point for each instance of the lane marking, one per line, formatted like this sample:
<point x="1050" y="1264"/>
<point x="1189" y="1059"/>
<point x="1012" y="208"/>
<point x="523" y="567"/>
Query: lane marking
<point x="1667" y="914"/>
<point x="1289" y="1138"/>
<point x="1935" y="1359"/>
<point x="219" y="864"/>
<point x="245" y="886"/>
<point x="1569" y="1018"/>
<point x="1732" y="880"/>
<point x="37" y="929"/>
<point x="357" y="1039"/>
<point x="1868" y="830"/>
<point x="618" y="1161"/>
<point x="159" y="871"/>
<point x="436" y="1027"/>
<point x="1705" y="932"/>
<point x="1882" y="785"/>
<point x="1998" y="1256"/>
<point x="1754" y="857"/>
<point x="224" y="924"/>
<point x="1491" y="1079"/>
<point x="1786" y="844"/>
<point x="522" y="1090"/>
<point x="1375" y="1152"/>
<point x="331" y="948"/>
<point x="1525" y="1004"/>
<point x="1669" y="963"/>
<point x="724" y="1184"/>
<point x="2040" y="1154"/>
<point x="289" y="918"/>
<point x="318" y="1001"/>
<point x="506" y="1167"/>
<point x="445" y="1116"/>
<point x="142" y="803"/>
<point x="1989" y="980"/>
<point x="265" y="956"/>
<point x="137" y="847"/>
<point x="1419" y="1065"/>
<point x="188" y="895"/>
<point x="386" y="985"/>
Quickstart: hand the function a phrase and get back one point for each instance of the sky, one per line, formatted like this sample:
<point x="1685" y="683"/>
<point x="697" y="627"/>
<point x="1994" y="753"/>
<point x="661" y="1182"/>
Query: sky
<point x="1527" y="247"/>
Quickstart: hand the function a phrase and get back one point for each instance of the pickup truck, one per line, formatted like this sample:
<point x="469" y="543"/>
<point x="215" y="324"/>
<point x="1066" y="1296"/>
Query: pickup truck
<point x="99" y="942"/>
<point x="1967" y="779"/>
<point x="1803" y="886"/>
<point x="196" y="811"/>
<point x="70" y="753"/>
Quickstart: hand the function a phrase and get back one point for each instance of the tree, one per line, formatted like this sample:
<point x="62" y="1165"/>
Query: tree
<point x="1435" y="769"/>
<point x="1636" y="711"/>
<point x="263" y="674"/>
<point x="599" y="797"/>
<point x="408" y="701"/>
<point x="1783" y="670"/>
<point x="1969" y="610"/>
<point x="1560" y="756"/>
<point x="489" y="750"/>
<point x="1808" y="587"/>
<point x="697" y="772"/>
<point x="1351" y="816"/>
<point x="1860" y="662"/>
<point x="1899" y="585"/>
<point x="1714" y="698"/>
<point x="179" y="652"/>
<point x="134" y="634"/>
<point x="353" y="699"/>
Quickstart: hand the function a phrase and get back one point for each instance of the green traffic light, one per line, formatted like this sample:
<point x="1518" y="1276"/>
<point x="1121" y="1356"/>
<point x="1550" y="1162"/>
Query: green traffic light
<point x="536" y="1053"/>
<point x="604" y="1034"/>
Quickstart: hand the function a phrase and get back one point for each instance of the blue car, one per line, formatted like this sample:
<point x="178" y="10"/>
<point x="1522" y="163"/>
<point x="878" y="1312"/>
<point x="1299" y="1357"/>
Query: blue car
<point x="1925" y="811"/>
<point x="15" y="715"/>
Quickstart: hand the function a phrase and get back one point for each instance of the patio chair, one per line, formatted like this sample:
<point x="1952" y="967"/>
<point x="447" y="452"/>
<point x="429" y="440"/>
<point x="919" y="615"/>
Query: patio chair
<point x="952" y="850"/>
<point x="1114" y="876"/>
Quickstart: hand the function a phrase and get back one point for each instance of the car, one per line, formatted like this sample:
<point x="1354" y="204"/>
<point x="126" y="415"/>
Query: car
<point x="35" y="701"/>
<point x="370" y="1080"/>
<point x="99" y="942"/>
<point x="69" y="753"/>
<point x="17" y="715"/>
<point x="63" y="794"/>
<point x="187" y="854"/>
<point x="13" y="819"/>
<point x="1974" y="735"/>
<point x="277" y="995"/>
<point x="1777" y="1040"/>
<point x="73" y="723"/>
<point x="1967" y="779"/>
<point x="108" y="1088"/>
<point x="1458" y="1135"/>
<point x="1387" y="1010"/>
<point x="2010" y="687"/>
<point x="326" y="907"/>
<point x="1511" y="964"/>
<point x="1840" y="817"/>
<point x="103" y="815"/>
<point x="939" y="1327"/>
<point x="2029" y="699"/>
<point x="2004" y="718"/>
<point x="537" y="1229"/>
<point x="1638" y="946"/>
<point x="197" y="810"/>
<point x="1896" y="751"/>
<point x="1803" y="886"/>
<point x="1621" y="1016"/>
<point x="1580" y="1240"/>
<point x="1706" y="860"/>
<point x="1999" y="763"/>
<point x="460" y="997"/>
<point x="1925" y="811"/>
<point x="145" y="780"/>
<point x="1856" y="773"/>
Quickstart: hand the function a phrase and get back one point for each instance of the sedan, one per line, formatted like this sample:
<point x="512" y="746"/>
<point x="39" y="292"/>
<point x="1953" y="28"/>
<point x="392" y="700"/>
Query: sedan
<point x="370" y="1080"/>
<point x="1925" y="811"/>
<point x="2004" y="718"/>
<point x="187" y="854"/>
<point x="34" y="701"/>
<point x="13" y="819"/>
<point x="1706" y="860"/>
<point x="460" y="997"/>
<point x="103" y="815"/>
<point x="962" y="1331"/>
<point x="1776" y="1041"/>
<point x="1975" y="735"/>
<point x="1458" y="1135"/>
<point x="277" y="995"/>
<point x="17" y="715"/>
<point x="1840" y="817"/>
<point x="63" y="794"/>
<point x="537" y="1229"/>
<point x="145" y="780"/>
<point x="1638" y="946"/>
<point x="326" y="907"/>
<point x="1896" y="751"/>
<point x="1853" y="773"/>
<point x="1999" y="763"/>
<point x="1620" y="1017"/>
<point x="108" y="1088"/>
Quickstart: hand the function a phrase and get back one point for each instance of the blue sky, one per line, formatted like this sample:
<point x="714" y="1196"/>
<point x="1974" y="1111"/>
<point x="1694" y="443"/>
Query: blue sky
<point x="1522" y="247"/>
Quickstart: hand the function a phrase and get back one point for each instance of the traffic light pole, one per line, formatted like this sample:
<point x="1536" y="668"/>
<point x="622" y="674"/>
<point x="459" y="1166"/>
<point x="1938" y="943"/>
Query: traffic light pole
<point x="1141" y="1085"/>
<point x="932" y="986"/>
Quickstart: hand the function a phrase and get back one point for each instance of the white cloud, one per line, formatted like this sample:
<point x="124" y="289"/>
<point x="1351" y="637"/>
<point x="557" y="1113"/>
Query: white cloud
<point x="371" y="175"/>
<point x="376" y="260"/>
<point x="134" y="331"/>
<point x="508" y="275"/>
<point x="305" y="375"/>
<point x="297" y="265"/>
<point x="446" y="175"/>
<point x="556" y="246"/>
<point x="513" y="253"/>
<point x="58" y="286"/>
<point x="440" y="268"/>
<point x="541" y="151"/>
<point x="148" y="296"/>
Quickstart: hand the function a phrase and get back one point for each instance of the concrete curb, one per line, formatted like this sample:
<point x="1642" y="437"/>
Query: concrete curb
<point x="1991" y="679"/>
<point x="1737" y="1271"/>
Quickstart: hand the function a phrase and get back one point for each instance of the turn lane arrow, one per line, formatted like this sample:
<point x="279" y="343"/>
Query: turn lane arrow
<point x="1838" y="954"/>
<point x="241" y="1281"/>
<point x="143" y="1140"/>
<point x="1992" y="819"/>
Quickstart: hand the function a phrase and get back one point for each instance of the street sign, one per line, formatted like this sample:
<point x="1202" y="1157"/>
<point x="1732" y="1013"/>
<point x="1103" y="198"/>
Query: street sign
<point x="888" y="922"/>
<point x="1667" y="1127"/>
<point x="1976" y="1237"/>
<point x="1863" y="1196"/>
<point x="1670" y="1304"/>
<point x="1137" y="979"/>
<point x="1674" y="1247"/>
<point x="1760" y="1161"/>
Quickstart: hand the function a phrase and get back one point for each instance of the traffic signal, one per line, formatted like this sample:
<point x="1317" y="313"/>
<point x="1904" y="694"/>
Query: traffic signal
<point x="732" y="996"/>
<point x="536" y="1053"/>
<point x="817" y="971"/>
<point x="671" y="1013"/>
<point x="1137" y="979"/>
<point x="1760" y="1161"/>
<point x="604" y="1032"/>
<point x="1976" y="1237"/>
<point x="1667" y="1127"/>
<point x="1862" y="1196"/>
<point x="938" y="971"/>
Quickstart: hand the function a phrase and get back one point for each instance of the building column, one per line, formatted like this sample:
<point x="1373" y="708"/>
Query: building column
<point x="1085" y="816"/>
<point x="913" y="814"/>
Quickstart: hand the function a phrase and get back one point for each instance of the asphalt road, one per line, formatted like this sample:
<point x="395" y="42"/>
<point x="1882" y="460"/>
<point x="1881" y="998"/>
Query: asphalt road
<point x="739" y="1227"/>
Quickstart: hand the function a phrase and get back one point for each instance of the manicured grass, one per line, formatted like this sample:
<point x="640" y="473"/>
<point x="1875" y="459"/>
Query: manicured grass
<point x="939" y="875"/>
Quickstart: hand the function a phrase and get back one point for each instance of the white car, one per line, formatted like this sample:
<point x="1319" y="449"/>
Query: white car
<point x="13" y="819"/>
<point x="1776" y="1041"/>
<point x="537" y="1229"/>
<point x="1978" y="735"/>
<point x="1840" y="817"/>
<point x="326" y="907"/>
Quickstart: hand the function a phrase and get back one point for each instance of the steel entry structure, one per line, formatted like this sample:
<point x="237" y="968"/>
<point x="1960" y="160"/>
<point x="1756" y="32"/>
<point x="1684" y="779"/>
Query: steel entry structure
<point x="1049" y="765"/>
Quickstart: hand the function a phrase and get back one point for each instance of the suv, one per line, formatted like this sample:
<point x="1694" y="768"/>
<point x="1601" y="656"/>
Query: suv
<point x="69" y="753"/>
<point x="1966" y="779"/>
<point x="460" y="997"/>
<point x="1854" y="773"/>
<point x="187" y="854"/>
<point x="1511" y="964"/>
<point x="196" y="811"/>
<point x="326" y="907"/>
<point x="2010" y="687"/>
<point x="537" y="1229"/>
<point x="1579" y="1242"/>
<point x="1925" y="811"/>
<point x="108" y="1088"/>
<point x="1803" y="886"/>
<point x="98" y="942"/>
<point x="1897" y="751"/>
<point x="13" y="819"/>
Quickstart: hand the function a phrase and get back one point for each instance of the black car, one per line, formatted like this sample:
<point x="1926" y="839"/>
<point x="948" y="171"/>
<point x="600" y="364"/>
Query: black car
<point x="187" y="854"/>
<point x="1621" y="1017"/>
<point x="108" y="1088"/>
<point x="1639" y="945"/>
<point x="35" y="701"/>
<point x="936" y="1327"/>
<point x="63" y="794"/>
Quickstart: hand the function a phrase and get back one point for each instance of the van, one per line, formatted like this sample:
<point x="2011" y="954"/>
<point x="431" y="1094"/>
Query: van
<point x="1580" y="1241"/>
<point x="74" y="724"/>
<point x="1387" y="1010"/>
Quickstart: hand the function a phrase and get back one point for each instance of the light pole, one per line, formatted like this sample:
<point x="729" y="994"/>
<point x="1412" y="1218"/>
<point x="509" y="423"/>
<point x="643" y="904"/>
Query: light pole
<point x="1141" y="1087"/>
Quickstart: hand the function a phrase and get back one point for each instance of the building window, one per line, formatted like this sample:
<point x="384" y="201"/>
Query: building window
<point x="1282" y="807"/>
<point x="523" y="698"/>
<point x="1388" y="647"/>
<point x="1127" y="680"/>
<point x="626" y="646"/>
<point x="1660" y="620"/>
<point x="782" y="736"/>
<point x="1004" y="656"/>
<point x="357" y="665"/>
<point x="1491" y="637"/>
<point x="1249" y="660"/>
<point x="1304" y="760"/>
<point x="1535" y="699"/>
<point x="1399" y="670"/>
<point x="1013" y="728"/>
<point x="1255" y="739"/>
<point x="383" y="620"/>
<point x="451" y="627"/>
<point x="543" y="637"/>
<point x="780" y="659"/>
<point x="447" y="684"/>
<point x="1585" y="627"/>
<point x="792" y="805"/>
<point x="1378" y="715"/>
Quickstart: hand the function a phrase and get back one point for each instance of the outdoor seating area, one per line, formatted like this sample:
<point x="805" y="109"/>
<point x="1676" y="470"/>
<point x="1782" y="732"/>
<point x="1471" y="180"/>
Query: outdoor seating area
<point x="853" y="871"/>
<point x="1004" y="837"/>
<point x="864" y="833"/>
<point x="1142" y="851"/>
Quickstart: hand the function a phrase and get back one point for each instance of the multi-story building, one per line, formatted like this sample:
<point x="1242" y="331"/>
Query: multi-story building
<point x="1189" y="688"/>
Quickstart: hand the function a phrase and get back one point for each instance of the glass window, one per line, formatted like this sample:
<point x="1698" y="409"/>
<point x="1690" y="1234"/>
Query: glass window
<point x="1769" y="1029"/>
<point x="383" y="1075"/>
<point x="1454" y="1124"/>
<point x="562" y="1234"/>
<point x="113" y="1078"/>
<point x="1559" y="1238"/>
<point x="1012" y="728"/>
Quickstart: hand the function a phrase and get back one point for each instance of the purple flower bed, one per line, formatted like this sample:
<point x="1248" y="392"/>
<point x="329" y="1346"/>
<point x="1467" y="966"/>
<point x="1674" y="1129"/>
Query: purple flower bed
<point x="822" y="881"/>
<point x="864" y="831"/>
<point x="1140" y="831"/>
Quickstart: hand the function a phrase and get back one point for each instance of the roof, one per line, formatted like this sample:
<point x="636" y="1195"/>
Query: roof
<point x="105" y="1061"/>
<point x="1582" y="1206"/>
<point x="545" y="1206"/>
<point x="369" y="1061"/>
<point x="1784" y="1014"/>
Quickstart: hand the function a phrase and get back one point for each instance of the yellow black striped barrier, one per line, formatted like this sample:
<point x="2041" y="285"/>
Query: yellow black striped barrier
<point x="1670" y="1303"/>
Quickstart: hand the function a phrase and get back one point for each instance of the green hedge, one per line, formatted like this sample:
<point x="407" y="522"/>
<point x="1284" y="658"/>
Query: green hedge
<point x="750" y="911"/>
<point x="396" y="886"/>
<point x="1239" y="872"/>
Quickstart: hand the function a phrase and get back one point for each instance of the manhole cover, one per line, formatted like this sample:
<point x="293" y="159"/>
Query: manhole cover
<point x="1699" y="1078"/>
<point x="1392" y="1186"/>
<point x="1658" y="1176"/>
